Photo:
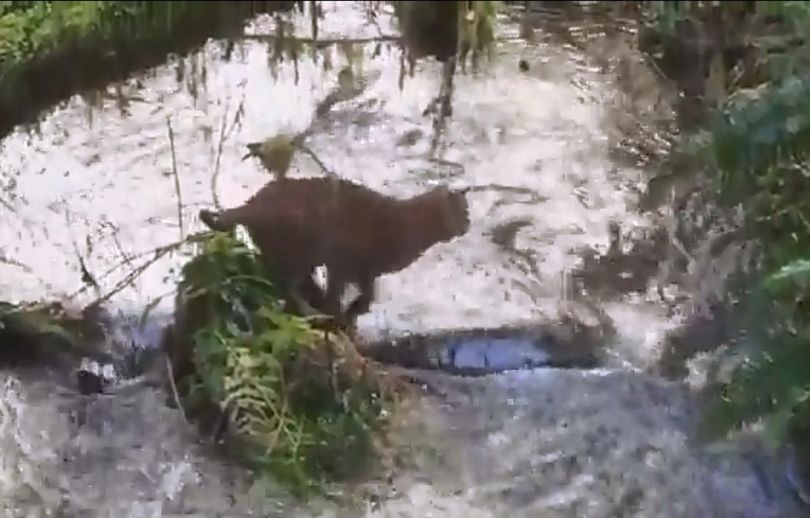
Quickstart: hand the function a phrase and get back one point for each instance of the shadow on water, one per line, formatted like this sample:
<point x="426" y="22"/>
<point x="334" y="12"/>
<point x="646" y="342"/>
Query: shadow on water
<point x="555" y="153"/>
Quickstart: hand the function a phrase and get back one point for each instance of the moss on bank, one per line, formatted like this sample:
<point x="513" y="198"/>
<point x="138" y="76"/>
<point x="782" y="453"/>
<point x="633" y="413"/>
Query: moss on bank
<point x="46" y="334"/>
<point x="51" y="50"/>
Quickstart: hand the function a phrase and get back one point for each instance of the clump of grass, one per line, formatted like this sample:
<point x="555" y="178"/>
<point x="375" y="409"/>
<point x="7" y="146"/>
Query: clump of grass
<point x="305" y="409"/>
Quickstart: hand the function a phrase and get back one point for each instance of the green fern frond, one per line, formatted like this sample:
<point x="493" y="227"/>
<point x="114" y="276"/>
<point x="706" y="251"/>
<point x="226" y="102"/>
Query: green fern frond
<point x="789" y="277"/>
<point x="263" y="367"/>
<point x="770" y="386"/>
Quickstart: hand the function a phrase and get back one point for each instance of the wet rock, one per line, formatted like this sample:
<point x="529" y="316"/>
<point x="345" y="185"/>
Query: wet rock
<point x="410" y="137"/>
<point x="477" y="352"/>
<point x="93" y="378"/>
<point x="89" y="382"/>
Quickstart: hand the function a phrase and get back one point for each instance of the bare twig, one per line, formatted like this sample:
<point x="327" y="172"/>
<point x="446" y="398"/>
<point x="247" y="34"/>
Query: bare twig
<point x="240" y="112"/>
<point x="127" y="280"/>
<point x="176" y="178"/>
<point x="171" y="246"/>
<point x="218" y="160"/>
<point x="443" y="103"/>
<point x="115" y="230"/>
<point x="224" y="133"/>
<point x="314" y="19"/>
<point x="157" y="253"/>
<point x="306" y="149"/>
<point x="173" y="385"/>
<point x="87" y="278"/>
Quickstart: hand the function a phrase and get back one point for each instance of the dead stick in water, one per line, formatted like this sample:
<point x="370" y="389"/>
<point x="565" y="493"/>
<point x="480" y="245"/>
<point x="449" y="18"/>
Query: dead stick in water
<point x="173" y="385"/>
<point x="176" y="178"/>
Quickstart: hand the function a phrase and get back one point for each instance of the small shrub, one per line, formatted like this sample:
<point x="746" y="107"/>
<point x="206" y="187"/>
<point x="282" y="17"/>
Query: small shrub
<point x="755" y="151"/>
<point x="305" y="408"/>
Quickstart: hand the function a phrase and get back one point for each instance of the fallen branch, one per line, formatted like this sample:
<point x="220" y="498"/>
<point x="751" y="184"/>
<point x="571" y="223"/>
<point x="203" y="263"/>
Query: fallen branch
<point x="339" y="41"/>
<point x="322" y="42"/>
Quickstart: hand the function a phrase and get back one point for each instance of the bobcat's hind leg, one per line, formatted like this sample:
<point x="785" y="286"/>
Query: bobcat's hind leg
<point x="361" y="304"/>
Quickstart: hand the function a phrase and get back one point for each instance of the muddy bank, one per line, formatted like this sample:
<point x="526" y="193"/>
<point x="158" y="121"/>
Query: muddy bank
<point x="123" y="43"/>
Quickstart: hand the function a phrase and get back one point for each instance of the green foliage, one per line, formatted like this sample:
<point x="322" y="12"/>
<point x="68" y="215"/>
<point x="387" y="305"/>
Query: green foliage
<point x="773" y="383"/>
<point x="305" y="408"/>
<point x="472" y="22"/>
<point x="72" y="39"/>
<point x="664" y="15"/>
<point x="46" y="334"/>
<point x="760" y="147"/>
<point x="756" y="151"/>
<point x="476" y="30"/>
<point x="772" y="386"/>
<point x="36" y="323"/>
<point x="45" y="26"/>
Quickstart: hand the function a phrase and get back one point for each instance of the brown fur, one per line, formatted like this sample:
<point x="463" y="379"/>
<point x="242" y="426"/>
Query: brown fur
<point x="358" y="233"/>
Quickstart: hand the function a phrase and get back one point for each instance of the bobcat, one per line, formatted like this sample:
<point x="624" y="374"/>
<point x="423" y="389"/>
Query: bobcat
<point x="356" y="232"/>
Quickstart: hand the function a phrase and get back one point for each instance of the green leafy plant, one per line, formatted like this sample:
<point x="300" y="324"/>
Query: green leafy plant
<point x="773" y="383"/>
<point x="305" y="408"/>
<point x="755" y="151"/>
<point x="473" y="24"/>
<point x="476" y="29"/>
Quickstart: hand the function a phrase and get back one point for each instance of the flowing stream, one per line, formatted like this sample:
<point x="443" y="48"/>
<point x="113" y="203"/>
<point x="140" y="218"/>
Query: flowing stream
<point x="556" y="155"/>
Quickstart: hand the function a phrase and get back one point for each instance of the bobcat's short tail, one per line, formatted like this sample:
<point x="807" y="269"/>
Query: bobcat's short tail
<point x="220" y="221"/>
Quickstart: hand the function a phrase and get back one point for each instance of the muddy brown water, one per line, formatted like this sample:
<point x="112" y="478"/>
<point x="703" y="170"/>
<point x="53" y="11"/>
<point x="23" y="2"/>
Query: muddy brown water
<point x="557" y="154"/>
